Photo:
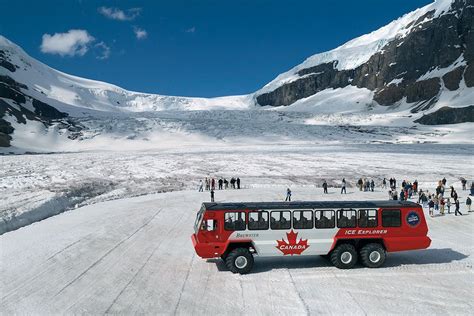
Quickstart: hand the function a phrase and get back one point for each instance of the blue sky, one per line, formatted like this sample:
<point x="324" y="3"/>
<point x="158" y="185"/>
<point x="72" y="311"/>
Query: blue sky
<point x="189" y="48"/>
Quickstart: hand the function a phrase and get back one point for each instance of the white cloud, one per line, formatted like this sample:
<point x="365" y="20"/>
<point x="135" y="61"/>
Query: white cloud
<point x="191" y="30"/>
<point x="117" y="14"/>
<point x="140" y="33"/>
<point x="71" y="43"/>
<point x="104" y="51"/>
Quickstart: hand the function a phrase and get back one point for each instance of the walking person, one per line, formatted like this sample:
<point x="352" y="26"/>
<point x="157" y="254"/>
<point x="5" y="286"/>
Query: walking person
<point x="448" y="205"/>
<point x="200" y="186"/>
<point x="212" y="195"/>
<point x="384" y="183"/>
<point x="468" y="204"/>
<point x="238" y="183"/>
<point x="288" y="195"/>
<point x="456" y="210"/>
<point x="207" y="184"/>
<point x="325" y="187"/>
<point x="343" y="187"/>
<point x="372" y="185"/>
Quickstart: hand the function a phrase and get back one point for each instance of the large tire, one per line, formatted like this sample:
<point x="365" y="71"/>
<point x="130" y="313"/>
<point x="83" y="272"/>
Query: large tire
<point x="344" y="256"/>
<point x="239" y="260"/>
<point x="372" y="255"/>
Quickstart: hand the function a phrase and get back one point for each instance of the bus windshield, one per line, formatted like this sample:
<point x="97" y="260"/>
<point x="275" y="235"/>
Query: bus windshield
<point x="199" y="216"/>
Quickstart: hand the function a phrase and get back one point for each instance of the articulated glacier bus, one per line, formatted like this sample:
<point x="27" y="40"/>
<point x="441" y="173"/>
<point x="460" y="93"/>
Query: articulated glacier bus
<point x="344" y="231"/>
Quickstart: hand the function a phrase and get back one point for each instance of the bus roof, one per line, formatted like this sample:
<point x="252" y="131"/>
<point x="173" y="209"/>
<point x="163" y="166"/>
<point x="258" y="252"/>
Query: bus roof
<point x="307" y="205"/>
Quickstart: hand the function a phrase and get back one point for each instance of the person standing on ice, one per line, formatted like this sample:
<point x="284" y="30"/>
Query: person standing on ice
<point x="443" y="181"/>
<point x="226" y="184"/>
<point x="384" y="183"/>
<point x="372" y="185"/>
<point x="238" y="183"/>
<point x="207" y="184"/>
<point x="220" y="182"/>
<point x="288" y="195"/>
<point x="359" y="183"/>
<point x="448" y="205"/>
<point x="468" y="204"/>
<point x="325" y="187"/>
<point x="402" y="195"/>
<point x="463" y="182"/>
<point x="343" y="187"/>
<point x="200" y="186"/>
<point x="212" y="195"/>
<point x="456" y="210"/>
<point x="441" y="206"/>
<point x="213" y="184"/>
<point x="431" y="207"/>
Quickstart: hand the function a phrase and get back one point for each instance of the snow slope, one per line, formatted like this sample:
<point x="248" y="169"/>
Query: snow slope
<point x="135" y="256"/>
<point x="74" y="94"/>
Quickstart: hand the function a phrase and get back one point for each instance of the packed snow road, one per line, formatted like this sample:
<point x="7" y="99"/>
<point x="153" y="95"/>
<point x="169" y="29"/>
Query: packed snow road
<point x="135" y="256"/>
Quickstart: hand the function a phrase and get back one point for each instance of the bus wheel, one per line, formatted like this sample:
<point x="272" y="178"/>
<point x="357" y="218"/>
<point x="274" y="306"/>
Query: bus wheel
<point x="344" y="256"/>
<point x="239" y="260"/>
<point x="372" y="255"/>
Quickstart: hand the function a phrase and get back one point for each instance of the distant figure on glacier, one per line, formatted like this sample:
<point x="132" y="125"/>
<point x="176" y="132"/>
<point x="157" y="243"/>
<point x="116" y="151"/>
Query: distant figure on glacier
<point x="343" y="187"/>
<point x="443" y="181"/>
<point x="201" y="186"/>
<point x="472" y="188"/>
<point x="220" y="182"/>
<point x="395" y="195"/>
<point x="212" y="195"/>
<point x="213" y="184"/>
<point x="448" y="205"/>
<point x="226" y="184"/>
<point x="288" y="195"/>
<point x="325" y="187"/>
<point x="372" y="185"/>
<point x="384" y="183"/>
<point x="207" y="184"/>
<point x="359" y="184"/>
<point x="431" y="207"/>
<point x="402" y="195"/>
<point x="456" y="210"/>
<point x="232" y="183"/>
<point x="238" y="183"/>
<point x="463" y="183"/>
<point x="468" y="204"/>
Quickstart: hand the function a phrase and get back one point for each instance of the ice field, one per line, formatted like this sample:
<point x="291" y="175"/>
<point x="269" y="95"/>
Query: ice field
<point x="135" y="256"/>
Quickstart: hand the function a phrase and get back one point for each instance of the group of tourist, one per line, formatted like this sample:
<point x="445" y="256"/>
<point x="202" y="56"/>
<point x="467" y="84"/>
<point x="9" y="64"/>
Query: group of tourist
<point x="209" y="184"/>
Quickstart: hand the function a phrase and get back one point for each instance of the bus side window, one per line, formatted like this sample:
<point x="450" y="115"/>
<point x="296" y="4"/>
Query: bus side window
<point x="258" y="220"/>
<point x="391" y="218"/>
<point x="325" y="219"/>
<point x="367" y="218"/>
<point x="346" y="218"/>
<point x="302" y="219"/>
<point x="280" y="220"/>
<point x="234" y="221"/>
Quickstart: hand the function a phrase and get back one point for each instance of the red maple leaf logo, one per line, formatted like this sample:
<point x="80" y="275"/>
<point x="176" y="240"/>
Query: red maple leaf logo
<point x="292" y="247"/>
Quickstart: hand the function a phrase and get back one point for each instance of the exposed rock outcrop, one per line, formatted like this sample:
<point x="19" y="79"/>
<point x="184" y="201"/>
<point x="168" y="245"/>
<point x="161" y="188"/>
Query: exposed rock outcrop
<point x="447" y="115"/>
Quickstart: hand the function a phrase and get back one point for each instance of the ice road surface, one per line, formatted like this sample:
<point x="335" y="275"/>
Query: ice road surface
<point x="135" y="255"/>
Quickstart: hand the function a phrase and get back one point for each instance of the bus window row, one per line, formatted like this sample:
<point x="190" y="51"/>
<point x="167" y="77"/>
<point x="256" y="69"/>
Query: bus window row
<point x="308" y="219"/>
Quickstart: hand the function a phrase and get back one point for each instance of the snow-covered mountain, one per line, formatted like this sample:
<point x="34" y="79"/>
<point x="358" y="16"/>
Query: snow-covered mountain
<point x="419" y="68"/>
<point x="424" y="59"/>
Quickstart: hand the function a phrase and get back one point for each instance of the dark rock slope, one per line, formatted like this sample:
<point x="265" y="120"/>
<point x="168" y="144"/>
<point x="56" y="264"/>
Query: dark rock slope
<point x="432" y="43"/>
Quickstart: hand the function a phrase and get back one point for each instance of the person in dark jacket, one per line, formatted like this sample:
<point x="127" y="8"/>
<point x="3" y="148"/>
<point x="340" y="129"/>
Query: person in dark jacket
<point x="359" y="183"/>
<point x="288" y="195"/>
<point x="372" y="185"/>
<point x="238" y="183"/>
<point x="456" y="210"/>
<point x="402" y="195"/>
<point x="325" y="187"/>
<point x="468" y="204"/>
<point x="220" y="182"/>
<point x="212" y="195"/>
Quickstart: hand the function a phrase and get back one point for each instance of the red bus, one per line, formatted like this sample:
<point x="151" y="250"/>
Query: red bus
<point x="343" y="231"/>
